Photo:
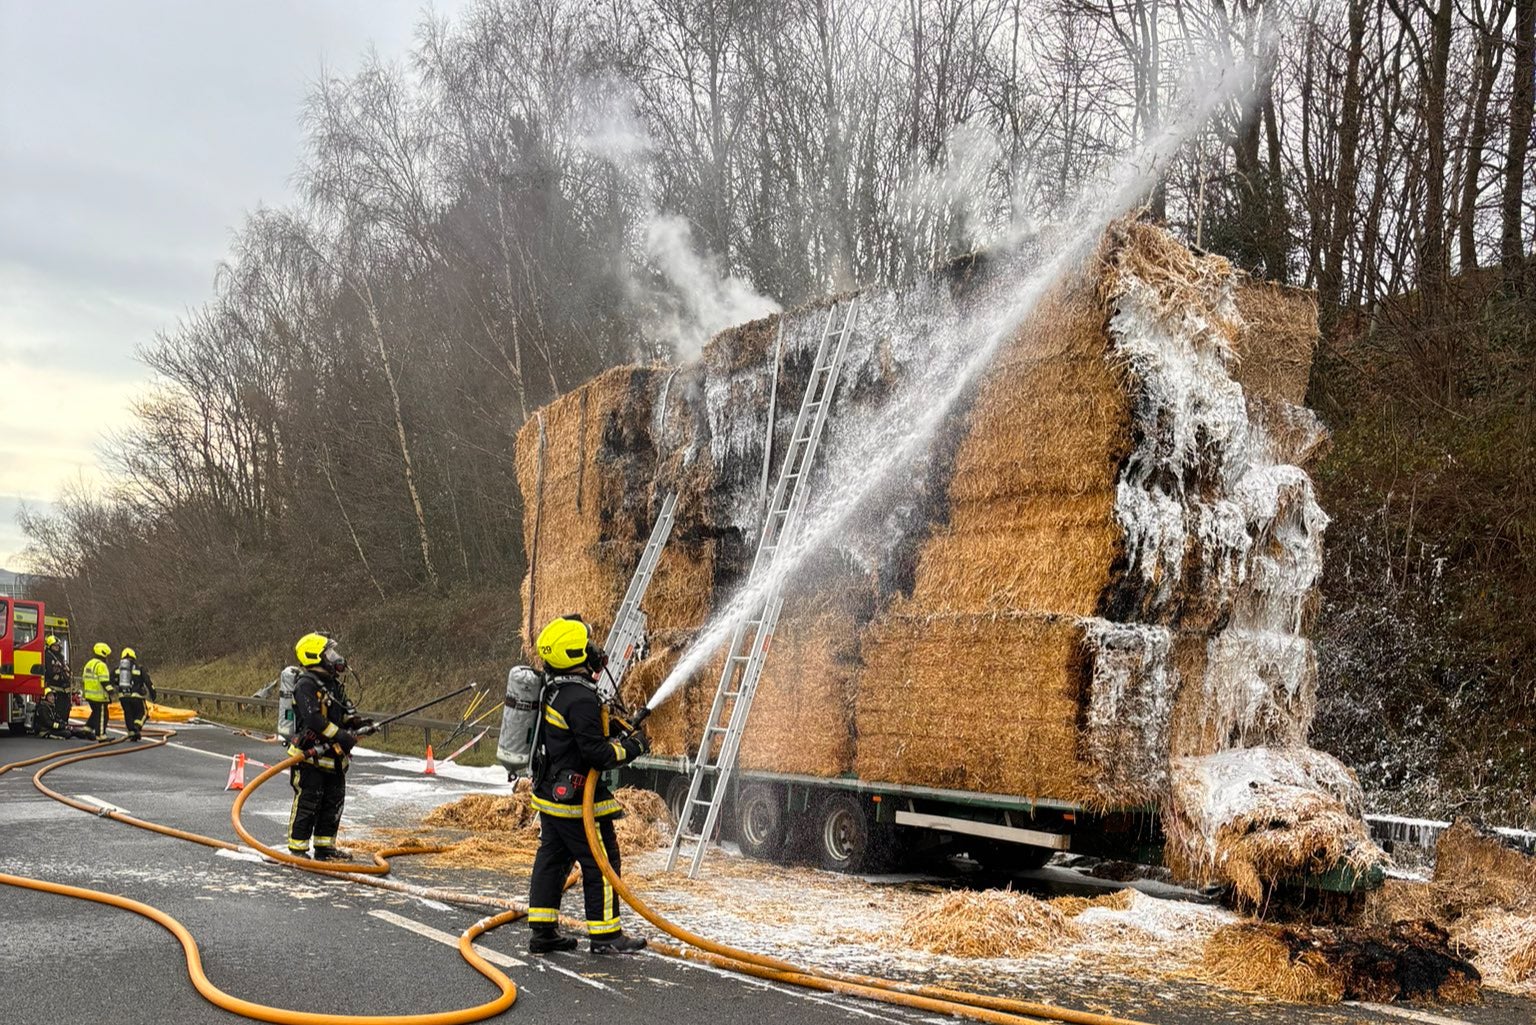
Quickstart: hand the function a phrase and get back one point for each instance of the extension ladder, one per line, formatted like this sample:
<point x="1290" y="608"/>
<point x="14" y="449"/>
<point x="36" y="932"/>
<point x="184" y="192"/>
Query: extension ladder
<point x="626" y="637"/>
<point x="715" y="761"/>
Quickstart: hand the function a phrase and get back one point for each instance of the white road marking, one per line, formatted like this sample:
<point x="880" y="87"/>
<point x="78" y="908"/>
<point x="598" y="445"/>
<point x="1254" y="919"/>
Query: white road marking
<point x="548" y="964"/>
<point x="495" y="957"/>
<point x="103" y="805"/>
<point x="845" y="1004"/>
<point x="1406" y="1013"/>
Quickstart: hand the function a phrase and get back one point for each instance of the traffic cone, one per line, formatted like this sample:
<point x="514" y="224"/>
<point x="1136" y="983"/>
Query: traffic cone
<point x="431" y="769"/>
<point x="236" y="773"/>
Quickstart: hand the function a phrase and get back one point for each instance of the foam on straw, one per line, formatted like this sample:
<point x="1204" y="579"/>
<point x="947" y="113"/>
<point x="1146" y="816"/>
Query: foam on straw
<point x="906" y="426"/>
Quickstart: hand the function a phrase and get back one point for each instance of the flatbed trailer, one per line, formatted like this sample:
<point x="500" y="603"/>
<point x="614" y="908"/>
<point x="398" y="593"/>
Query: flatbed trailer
<point x="847" y="824"/>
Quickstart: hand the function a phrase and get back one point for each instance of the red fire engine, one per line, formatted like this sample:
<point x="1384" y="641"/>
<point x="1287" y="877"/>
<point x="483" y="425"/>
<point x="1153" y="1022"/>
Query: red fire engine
<point x="24" y="627"/>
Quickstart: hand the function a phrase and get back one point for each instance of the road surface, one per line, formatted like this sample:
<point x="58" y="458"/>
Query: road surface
<point x="274" y="935"/>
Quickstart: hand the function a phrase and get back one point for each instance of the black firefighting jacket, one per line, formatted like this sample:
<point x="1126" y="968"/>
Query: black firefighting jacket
<point x="575" y="737"/>
<point x="320" y="715"/>
<point x="139" y="683"/>
<point x="55" y="669"/>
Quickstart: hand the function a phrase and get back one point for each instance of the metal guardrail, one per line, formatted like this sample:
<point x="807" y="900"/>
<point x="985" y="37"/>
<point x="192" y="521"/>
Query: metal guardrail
<point x="411" y="722"/>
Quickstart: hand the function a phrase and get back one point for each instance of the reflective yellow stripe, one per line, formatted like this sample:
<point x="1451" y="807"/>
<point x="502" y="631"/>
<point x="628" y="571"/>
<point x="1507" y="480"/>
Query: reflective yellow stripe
<point x="610" y="913"/>
<point x="603" y="928"/>
<point x="619" y="752"/>
<point x="331" y="729"/>
<point x="573" y="811"/>
<point x="554" y="718"/>
<point x="540" y="915"/>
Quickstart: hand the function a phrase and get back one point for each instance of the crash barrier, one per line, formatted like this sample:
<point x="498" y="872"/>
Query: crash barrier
<point x="267" y="708"/>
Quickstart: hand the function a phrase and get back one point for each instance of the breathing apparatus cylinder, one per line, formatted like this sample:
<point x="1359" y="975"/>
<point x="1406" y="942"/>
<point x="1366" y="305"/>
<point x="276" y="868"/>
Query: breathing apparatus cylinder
<point x="520" y="719"/>
<point x="125" y="677"/>
<point x="286" y="680"/>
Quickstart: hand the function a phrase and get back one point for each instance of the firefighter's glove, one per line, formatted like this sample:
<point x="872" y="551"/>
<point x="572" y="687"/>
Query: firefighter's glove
<point x="346" y="740"/>
<point x="637" y="743"/>
<point x="366" y="728"/>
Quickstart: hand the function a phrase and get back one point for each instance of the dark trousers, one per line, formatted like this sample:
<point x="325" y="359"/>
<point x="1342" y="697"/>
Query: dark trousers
<point x="563" y="843"/>
<point x="318" y="797"/>
<point x="61" y="710"/>
<point x="134" y="713"/>
<point x="97" y="723"/>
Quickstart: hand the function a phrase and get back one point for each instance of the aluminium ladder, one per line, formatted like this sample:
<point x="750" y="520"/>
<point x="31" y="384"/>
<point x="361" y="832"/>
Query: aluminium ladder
<point x="627" y="635"/>
<point x="715" y="761"/>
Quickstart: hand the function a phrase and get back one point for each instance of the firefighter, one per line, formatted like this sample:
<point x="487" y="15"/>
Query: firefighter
<point x="326" y="728"/>
<point x="134" y="689"/>
<point x="53" y="715"/>
<point x="98" y="688"/>
<point x="575" y="736"/>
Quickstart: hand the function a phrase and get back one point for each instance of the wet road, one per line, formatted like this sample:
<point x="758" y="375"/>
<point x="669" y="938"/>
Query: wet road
<point x="274" y="935"/>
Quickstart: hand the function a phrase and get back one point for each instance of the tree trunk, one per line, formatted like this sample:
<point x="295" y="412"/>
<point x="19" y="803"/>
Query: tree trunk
<point x="1330" y="282"/>
<point x="1511" y="242"/>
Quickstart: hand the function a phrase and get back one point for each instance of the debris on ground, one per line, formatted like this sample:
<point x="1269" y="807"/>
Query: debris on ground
<point x="985" y="923"/>
<point x="1314" y="965"/>
<point x="505" y="829"/>
<point x="1483" y="895"/>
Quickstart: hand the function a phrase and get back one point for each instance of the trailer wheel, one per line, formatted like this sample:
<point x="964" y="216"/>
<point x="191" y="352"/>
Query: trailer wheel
<point x="675" y="794"/>
<point x="848" y="839"/>
<point x="760" y="821"/>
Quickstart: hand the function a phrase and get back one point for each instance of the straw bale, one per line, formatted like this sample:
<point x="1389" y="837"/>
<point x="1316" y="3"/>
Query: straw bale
<point x="1521" y="962"/>
<point x="1295" y="434"/>
<point x="986" y="923"/>
<point x="1253" y="817"/>
<point x="675" y="727"/>
<point x="1469" y="857"/>
<point x="1410" y="961"/>
<point x="1277" y="342"/>
<point x="802" y="714"/>
<point x="972" y="702"/>
<point x="1045" y="553"/>
<point x="682" y="591"/>
<point x="585" y="478"/>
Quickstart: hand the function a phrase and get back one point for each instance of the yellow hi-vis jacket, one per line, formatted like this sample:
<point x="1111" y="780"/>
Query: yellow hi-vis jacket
<point x="93" y="679"/>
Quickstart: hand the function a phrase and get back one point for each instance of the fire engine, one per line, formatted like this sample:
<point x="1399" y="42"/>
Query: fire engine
<point x="24" y="627"/>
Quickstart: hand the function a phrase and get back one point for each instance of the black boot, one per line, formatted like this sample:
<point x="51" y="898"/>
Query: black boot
<point x="547" y="940"/>
<point x="617" y="943"/>
<point x="332" y="854"/>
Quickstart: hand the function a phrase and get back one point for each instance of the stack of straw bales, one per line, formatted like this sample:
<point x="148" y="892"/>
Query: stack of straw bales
<point x="1106" y="563"/>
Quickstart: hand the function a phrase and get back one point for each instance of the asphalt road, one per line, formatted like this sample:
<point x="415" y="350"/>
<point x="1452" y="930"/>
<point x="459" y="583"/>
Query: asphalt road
<point x="273" y="935"/>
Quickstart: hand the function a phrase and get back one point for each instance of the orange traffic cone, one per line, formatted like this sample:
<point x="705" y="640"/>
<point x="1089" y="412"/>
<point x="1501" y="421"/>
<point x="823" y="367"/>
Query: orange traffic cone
<point x="431" y="769"/>
<point x="236" y="773"/>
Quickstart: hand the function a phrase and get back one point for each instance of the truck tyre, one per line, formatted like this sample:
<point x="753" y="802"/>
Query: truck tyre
<point x="848" y="839"/>
<point x="675" y="794"/>
<point x="760" y="821"/>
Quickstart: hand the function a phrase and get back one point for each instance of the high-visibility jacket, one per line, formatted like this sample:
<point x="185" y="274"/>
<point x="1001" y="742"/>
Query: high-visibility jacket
<point x="93" y="679"/>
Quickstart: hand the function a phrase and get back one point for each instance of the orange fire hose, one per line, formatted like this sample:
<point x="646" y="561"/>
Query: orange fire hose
<point x="997" y="1010"/>
<point x="210" y="992"/>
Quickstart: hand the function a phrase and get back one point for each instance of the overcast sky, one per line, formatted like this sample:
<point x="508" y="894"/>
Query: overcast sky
<point x="135" y="135"/>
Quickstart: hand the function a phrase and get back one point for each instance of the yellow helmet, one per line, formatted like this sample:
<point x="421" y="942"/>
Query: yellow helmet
<point x="310" y="648"/>
<point x="50" y="640"/>
<point x="130" y="653"/>
<point x="319" y="649"/>
<point x="565" y="642"/>
<point x="102" y="649"/>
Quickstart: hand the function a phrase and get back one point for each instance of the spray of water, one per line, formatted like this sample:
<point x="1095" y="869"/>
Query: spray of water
<point x="906" y="426"/>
